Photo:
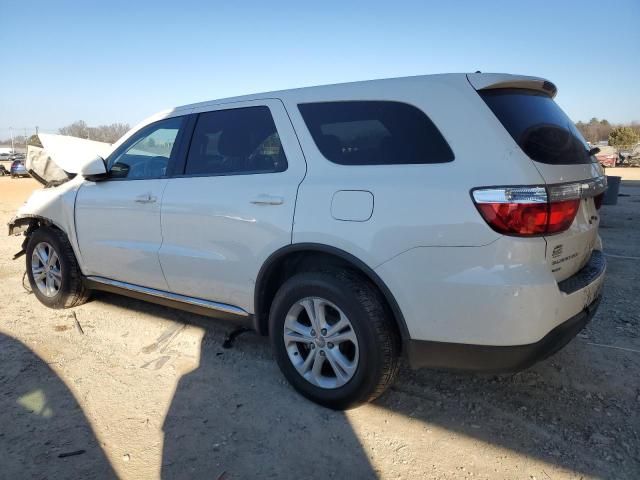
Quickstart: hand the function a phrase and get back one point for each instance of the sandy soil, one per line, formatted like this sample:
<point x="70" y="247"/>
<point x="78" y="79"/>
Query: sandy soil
<point x="625" y="173"/>
<point x="120" y="388"/>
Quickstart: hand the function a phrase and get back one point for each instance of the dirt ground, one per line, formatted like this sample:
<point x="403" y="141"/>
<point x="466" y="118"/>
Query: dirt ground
<point x="121" y="388"/>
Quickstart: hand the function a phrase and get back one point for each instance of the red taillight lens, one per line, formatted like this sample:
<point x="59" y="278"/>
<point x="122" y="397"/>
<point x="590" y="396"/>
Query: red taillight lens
<point x="526" y="211"/>
<point x="516" y="218"/>
<point x="561" y="215"/>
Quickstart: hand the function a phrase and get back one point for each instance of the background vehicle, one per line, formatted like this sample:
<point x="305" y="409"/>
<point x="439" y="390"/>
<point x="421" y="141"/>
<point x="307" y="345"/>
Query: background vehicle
<point x="630" y="157"/>
<point x="608" y="156"/>
<point x="3" y="171"/>
<point x="351" y="223"/>
<point x="18" y="169"/>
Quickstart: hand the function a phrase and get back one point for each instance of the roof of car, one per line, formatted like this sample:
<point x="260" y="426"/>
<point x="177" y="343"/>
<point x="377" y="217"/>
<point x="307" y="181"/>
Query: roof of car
<point x="478" y="80"/>
<point x="344" y="91"/>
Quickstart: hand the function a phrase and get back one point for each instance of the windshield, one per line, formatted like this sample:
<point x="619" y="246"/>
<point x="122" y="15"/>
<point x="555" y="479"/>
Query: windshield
<point x="538" y="125"/>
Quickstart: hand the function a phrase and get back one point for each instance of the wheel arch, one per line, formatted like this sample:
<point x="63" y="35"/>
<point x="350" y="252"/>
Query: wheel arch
<point x="27" y="224"/>
<point x="273" y="273"/>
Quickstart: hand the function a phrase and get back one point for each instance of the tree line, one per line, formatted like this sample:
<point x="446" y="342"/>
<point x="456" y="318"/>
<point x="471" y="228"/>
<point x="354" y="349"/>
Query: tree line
<point x="102" y="133"/>
<point x="616" y="135"/>
<point x="593" y="131"/>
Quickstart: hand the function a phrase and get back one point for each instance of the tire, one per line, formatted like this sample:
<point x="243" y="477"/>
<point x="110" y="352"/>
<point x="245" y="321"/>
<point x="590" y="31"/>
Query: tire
<point x="375" y="351"/>
<point x="65" y="276"/>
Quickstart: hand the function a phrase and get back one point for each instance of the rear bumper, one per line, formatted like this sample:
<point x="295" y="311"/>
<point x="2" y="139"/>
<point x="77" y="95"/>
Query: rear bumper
<point x="486" y="358"/>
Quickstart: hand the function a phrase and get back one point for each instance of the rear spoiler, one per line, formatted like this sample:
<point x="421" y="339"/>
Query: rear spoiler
<point x="490" y="81"/>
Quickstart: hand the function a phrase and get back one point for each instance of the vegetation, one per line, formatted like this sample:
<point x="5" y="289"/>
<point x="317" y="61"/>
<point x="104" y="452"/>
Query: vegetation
<point x="102" y="133"/>
<point x="624" y="137"/>
<point x="599" y="130"/>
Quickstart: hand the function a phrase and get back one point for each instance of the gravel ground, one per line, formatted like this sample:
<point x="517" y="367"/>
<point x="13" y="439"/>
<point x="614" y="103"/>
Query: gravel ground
<point x="121" y="388"/>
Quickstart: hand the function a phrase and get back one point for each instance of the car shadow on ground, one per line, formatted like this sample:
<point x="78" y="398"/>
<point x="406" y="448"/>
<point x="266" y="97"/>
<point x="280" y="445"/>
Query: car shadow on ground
<point x="235" y="416"/>
<point x="237" y="419"/>
<point x="235" y="413"/>
<point x="50" y="437"/>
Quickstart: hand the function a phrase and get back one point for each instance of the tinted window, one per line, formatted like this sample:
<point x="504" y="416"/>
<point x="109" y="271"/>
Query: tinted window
<point x="374" y="133"/>
<point x="236" y="141"/>
<point x="538" y="125"/>
<point x="147" y="153"/>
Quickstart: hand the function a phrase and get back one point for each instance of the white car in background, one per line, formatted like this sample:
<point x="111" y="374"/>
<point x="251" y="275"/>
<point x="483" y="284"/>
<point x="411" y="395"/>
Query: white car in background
<point x="450" y="219"/>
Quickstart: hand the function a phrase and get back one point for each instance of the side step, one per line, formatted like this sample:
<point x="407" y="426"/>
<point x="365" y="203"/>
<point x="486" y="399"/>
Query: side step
<point x="173" y="300"/>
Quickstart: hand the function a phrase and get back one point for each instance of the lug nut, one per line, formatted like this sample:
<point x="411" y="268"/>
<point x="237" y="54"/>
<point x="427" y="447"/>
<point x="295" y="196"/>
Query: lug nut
<point x="322" y="353"/>
<point x="313" y="332"/>
<point x="313" y="346"/>
<point x="330" y="345"/>
<point x="323" y="331"/>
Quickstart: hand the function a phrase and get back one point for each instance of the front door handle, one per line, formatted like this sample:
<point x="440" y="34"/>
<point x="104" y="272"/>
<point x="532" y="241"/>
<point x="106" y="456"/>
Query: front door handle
<point x="265" y="199"/>
<point x="146" y="198"/>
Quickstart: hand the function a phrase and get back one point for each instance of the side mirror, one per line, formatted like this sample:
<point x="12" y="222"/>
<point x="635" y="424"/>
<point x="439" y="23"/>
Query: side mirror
<point x="94" y="169"/>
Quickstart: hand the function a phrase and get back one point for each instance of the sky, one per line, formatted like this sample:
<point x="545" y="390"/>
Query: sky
<point x="117" y="61"/>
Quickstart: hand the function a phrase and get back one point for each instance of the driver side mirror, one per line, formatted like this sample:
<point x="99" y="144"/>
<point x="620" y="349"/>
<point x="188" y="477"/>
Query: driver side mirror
<point x="94" y="169"/>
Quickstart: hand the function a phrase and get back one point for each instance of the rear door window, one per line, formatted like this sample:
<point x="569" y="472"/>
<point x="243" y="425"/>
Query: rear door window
<point x="538" y="125"/>
<point x="374" y="133"/>
<point x="237" y="141"/>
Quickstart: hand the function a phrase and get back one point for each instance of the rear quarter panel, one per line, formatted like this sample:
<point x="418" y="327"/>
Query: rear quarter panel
<point x="414" y="205"/>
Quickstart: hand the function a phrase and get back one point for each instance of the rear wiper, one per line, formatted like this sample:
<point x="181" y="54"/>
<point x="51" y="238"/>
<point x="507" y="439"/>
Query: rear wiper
<point x="594" y="151"/>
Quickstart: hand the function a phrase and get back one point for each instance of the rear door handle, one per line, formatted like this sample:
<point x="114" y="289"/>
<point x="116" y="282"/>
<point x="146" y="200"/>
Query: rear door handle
<point x="146" y="198"/>
<point x="265" y="199"/>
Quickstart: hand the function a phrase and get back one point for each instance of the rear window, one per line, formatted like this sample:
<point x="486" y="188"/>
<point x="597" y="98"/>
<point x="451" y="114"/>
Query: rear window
<point x="538" y="125"/>
<point x="235" y="142"/>
<point x="374" y="133"/>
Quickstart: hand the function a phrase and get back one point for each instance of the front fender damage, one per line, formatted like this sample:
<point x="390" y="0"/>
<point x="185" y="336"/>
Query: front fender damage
<point x="47" y="207"/>
<point x="25" y="225"/>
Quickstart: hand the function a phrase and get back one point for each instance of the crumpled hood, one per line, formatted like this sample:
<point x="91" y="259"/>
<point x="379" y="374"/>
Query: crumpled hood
<point x="61" y="156"/>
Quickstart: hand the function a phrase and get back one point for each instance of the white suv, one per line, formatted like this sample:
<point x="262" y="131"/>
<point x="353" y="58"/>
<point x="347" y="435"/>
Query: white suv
<point x="450" y="219"/>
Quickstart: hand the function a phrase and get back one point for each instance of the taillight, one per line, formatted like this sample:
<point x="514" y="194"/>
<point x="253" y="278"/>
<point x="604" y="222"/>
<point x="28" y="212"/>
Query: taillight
<point x="561" y="215"/>
<point x="528" y="211"/>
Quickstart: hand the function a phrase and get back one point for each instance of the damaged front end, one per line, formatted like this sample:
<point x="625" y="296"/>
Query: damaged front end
<point x="50" y="207"/>
<point x="60" y="157"/>
<point x="57" y="162"/>
<point x="24" y="225"/>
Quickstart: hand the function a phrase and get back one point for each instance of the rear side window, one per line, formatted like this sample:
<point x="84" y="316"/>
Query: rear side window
<point x="374" y="133"/>
<point x="234" y="142"/>
<point x="538" y="125"/>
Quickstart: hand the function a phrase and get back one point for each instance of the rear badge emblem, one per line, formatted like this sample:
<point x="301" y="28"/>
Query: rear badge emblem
<point x="557" y="251"/>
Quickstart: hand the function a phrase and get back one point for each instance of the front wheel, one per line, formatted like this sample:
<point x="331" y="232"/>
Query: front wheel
<point x="53" y="271"/>
<point x="333" y="339"/>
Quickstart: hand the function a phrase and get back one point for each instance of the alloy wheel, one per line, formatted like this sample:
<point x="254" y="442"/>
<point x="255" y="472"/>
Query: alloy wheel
<point x="45" y="267"/>
<point x="321" y="342"/>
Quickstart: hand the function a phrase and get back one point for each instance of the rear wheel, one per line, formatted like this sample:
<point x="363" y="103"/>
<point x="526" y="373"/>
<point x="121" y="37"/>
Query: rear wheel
<point x="53" y="271"/>
<point x="332" y="338"/>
